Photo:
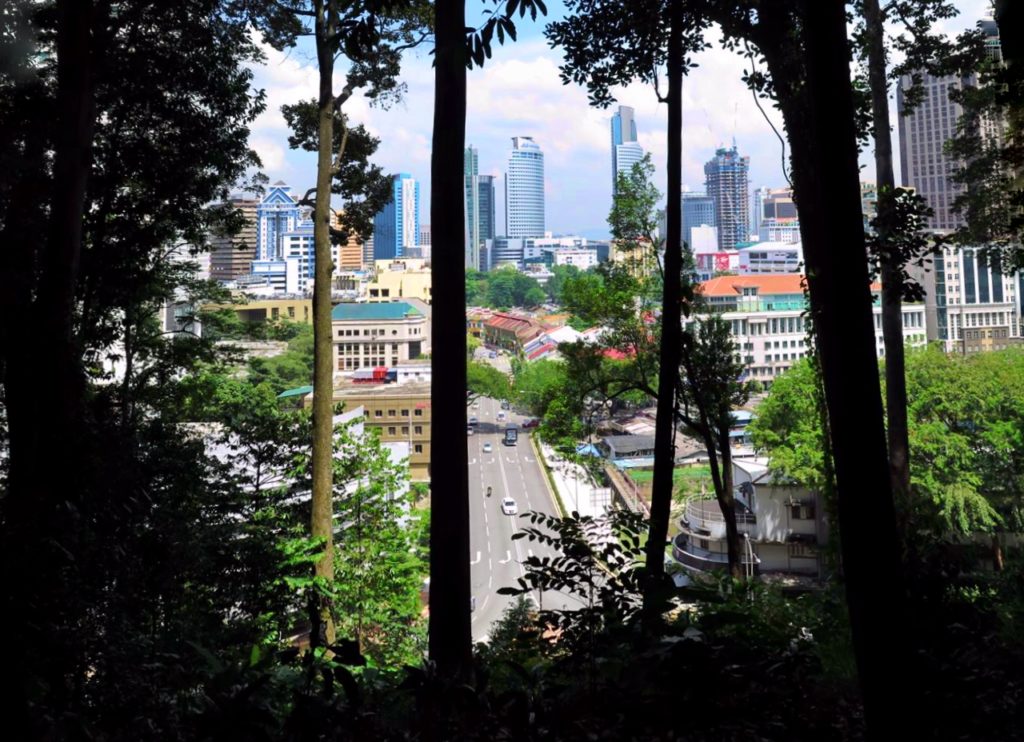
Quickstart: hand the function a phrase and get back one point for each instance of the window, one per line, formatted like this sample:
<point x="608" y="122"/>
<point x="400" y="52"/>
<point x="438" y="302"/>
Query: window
<point x="291" y="312"/>
<point x="417" y="429"/>
<point x="802" y="551"/>
<point x="417" y="448"/>
<point x="391" y="413"/>
<point x="405" y="430"/>
<point x="275" y="313"/>
<point x="378" y="413"/>
<point x="418" y="412"/>
<point x="391" y="430"/>
<point x="802" y="511"/>
<point x="405" y="413"/>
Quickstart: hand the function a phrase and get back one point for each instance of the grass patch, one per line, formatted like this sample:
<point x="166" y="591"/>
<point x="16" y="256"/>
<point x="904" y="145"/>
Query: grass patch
<point x="686" y="480"/>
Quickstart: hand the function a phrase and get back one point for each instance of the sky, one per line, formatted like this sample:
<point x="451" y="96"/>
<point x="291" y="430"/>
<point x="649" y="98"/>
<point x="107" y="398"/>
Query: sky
<point x="519" y="93"/>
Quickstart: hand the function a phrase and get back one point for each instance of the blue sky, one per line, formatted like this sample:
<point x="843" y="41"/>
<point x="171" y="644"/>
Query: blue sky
<point x="519" y="93"/>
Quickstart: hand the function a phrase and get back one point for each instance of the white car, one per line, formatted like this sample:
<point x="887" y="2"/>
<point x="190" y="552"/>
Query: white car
<point x="508" y="506"/>
<point x="487" y="447"/>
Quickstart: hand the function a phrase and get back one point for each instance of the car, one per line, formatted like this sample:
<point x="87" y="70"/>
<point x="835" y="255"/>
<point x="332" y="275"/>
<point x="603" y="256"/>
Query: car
<point x="469" y="430"/>
<point x="531" y="423"/>
<point x="504" y="404"/>
<point x="501" y="414"/>
<point x="493" y="354"/>
<point x="509" y="507"/>
<point x="473" y="421"/>
<point x="487" y="447"/>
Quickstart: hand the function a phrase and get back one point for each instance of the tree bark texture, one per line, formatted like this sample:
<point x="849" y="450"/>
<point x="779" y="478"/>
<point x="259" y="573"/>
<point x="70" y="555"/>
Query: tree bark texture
<point x="671" y="320"/>
<point x="322" y="515"/>
<point x="449" y="633"/>
<point x="819" y="117"/>
<point x="890" y="264"/>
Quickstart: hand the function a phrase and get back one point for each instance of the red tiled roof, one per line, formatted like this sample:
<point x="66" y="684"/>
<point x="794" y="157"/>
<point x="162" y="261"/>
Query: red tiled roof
<point x="542" y="350"/>
<point x="766" y="283"/>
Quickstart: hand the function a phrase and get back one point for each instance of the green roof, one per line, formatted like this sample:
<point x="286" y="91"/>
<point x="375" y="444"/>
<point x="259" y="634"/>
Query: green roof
<point x="298" y="391"/>
<point x="374" y="311"/>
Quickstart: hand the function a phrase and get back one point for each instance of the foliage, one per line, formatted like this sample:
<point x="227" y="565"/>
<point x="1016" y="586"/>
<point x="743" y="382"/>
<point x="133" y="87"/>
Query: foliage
<point x="485" y="380"/>
<point x="966" y="438"/>
<point x="290" y="369"/>
<point x="537" y="384"/>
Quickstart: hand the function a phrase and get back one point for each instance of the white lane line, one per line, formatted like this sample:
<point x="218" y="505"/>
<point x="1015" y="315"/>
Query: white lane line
<point x="490" y="581"/>
<point x="507" y="559"/>
<point x="473" y="462"/>
<point x="487" y="530"/>
<point x="477" y="560"/>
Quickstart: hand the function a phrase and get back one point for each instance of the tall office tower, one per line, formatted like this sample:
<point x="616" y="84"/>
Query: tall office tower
<point x="924" y="165"/>
<point x="725" y="178"/>
<point x="230" y="257"/>
<point x="626" y="151"/>
<point x="397" y="227"/>
<point x="488" y="221"/>
<point x="278" y="212"/>
<point x="779" y="219"/>
<point x="698" y="209"/>
<point x="757" y="209"/>
<point x="471" y="211"/>
<point x="524" y="190"/>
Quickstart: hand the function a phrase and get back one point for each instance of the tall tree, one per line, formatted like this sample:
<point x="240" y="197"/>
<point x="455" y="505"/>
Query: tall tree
<point x="606" y="44"/>
<point x="450" y="643"/>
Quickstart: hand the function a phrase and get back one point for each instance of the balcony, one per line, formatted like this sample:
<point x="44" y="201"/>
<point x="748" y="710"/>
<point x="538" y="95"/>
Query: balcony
<point x="695" y="558"/>
<point x="705" y="517"/>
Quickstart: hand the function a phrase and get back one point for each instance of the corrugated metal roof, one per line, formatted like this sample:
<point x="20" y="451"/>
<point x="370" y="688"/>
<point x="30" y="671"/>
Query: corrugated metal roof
<point x="349" y="311"/>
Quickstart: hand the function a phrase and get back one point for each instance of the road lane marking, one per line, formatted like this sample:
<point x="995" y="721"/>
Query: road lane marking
<point x="477" y="560"/>
<point x="507" y="559"/>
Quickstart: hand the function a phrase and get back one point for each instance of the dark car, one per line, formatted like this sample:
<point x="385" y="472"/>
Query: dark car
<point x="531" y="423"/>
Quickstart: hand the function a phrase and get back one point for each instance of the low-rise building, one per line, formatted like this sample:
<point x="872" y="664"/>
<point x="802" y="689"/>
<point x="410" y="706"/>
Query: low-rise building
<point x="400" y="278"/>
<point x="511" y="331"/>
<point x="633" y="448"/>
<point x="771" y="257"/>
<point x="766" y="316"/>
<point x="400" y="413"/>
<point x="782" y="525"/>
<point x="381" y="334"/>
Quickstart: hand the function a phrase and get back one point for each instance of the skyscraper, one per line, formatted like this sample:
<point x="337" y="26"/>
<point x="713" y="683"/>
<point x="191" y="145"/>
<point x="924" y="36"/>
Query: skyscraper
<point x="471" y="212"/>
<point x="524" y="189"/>
<point x="397" y="227"/>
<point x="278" y="212"/>
<point x="726" y="182"/>
<point x="698" y="209"/>
<point x="230" y="257"/>
<point x="488" y="222"/>
<point x="924" y="165"/>
<point x="625" y="149"/>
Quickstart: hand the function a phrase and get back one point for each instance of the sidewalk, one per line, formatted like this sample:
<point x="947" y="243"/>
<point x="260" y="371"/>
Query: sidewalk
<point x="575" y="488"/>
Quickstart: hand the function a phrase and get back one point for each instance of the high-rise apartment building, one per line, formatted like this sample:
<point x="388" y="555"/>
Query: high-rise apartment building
<point x="479" y="209"/>
<point x="278" y="213"/>
<point x="397" y="227"/>
<point x="626" y="151"/>
<point x="230" y="257"/>
<point x="726" y="181"/>
<point x="698" y="209"/>
<point x="524" y="189"/>
<point x="924" y="165"/>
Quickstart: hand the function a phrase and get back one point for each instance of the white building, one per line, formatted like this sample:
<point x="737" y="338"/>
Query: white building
<point x="765" y="314"/>
<point x="703" y="239"/>
<point x="771" y="257"/>
<point x="782" y="525"/>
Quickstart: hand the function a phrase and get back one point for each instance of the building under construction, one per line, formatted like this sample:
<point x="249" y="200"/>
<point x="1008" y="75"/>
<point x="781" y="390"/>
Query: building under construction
<point x="726" y="182"/>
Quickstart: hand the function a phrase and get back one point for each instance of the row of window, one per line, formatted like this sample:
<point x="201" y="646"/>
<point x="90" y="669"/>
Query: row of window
<point x="369" y="332"/>
<point x="356" y="349"/>
<point x="418" y="412"/>
<point x="416" y="429"/>
<point x="352" y="363"/>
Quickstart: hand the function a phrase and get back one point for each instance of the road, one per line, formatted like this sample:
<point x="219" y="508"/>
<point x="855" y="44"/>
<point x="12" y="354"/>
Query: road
<point x="496" y="560"/>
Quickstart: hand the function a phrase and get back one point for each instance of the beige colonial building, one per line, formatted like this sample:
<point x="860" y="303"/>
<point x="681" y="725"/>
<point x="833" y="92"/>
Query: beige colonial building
<point x="373" y="335"/>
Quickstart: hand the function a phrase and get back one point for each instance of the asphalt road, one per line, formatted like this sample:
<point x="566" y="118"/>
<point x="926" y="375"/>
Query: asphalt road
<point x="495" y="559"/>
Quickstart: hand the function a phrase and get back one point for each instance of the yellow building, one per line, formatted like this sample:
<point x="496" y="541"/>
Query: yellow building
<point x="400" y="278"/>
<point x="262" y="310"/>
<point x="400" y="412"/>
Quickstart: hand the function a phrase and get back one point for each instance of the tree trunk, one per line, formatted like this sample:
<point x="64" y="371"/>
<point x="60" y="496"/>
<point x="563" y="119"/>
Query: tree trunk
<point x="997" y="553"/>
<point x="819" y="118"/>
<point x="450" y="637"/>
<point x="322" y="516"/>
<point x="721" y="480"/>
<point x="890" y="263"/>
<point x="671" y="321"/>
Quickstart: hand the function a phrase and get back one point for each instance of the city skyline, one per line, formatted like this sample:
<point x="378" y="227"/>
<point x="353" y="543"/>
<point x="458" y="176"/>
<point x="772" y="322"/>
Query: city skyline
<point x="519" y="91"/>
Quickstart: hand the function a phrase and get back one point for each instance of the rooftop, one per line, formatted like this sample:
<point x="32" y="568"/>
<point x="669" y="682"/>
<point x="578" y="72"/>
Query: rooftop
<point x="411" y="389"/>
<point x="349" y="311"/>
<point x="766" y="284"/>
<point x="626" y="444"/>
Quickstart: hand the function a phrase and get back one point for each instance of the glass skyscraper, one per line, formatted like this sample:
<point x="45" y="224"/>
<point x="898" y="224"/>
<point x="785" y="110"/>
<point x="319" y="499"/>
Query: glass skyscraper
<point x="479" y="209"/>
<point x="625" y="149"/>
<point x="524" y="189"/>
<point x="397" y="227"/>
<point x="698" y="209"/>
<point x="277" y="213"/>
